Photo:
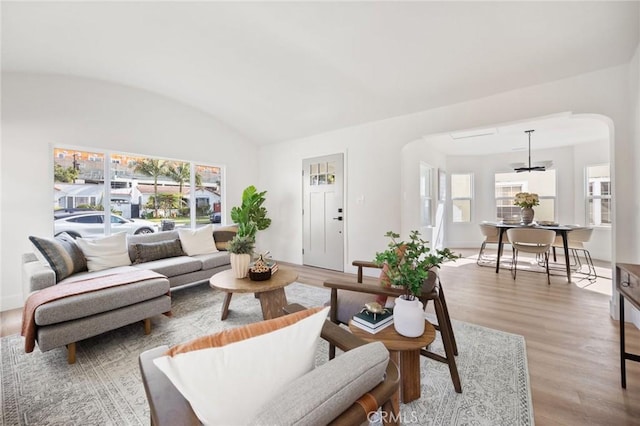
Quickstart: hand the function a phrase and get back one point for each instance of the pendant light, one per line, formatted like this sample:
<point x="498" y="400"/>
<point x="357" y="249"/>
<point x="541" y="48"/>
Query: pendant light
<point x="530" y="169"/>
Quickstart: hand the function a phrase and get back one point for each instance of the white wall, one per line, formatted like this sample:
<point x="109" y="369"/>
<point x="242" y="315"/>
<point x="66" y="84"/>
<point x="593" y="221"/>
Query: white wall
<point x="39" y="111"/>
<point x="374" y="165"/>
<point x="632" y="314"/>
<point x="569" y="163"/>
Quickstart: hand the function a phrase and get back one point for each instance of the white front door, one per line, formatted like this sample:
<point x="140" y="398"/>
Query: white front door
<point x="323" y="212"/>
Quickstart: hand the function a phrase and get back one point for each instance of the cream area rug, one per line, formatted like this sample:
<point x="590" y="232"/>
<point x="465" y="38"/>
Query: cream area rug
<point x="104" y="386"/>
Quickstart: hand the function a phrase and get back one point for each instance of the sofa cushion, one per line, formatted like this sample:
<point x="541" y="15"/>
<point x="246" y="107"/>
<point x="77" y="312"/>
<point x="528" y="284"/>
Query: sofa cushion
<point x="229" y="384"/>
<point x="172" y="266"/>
<point x="105" y="300"/>
<point x="223" y="235"/>
<point x="198" y="241"/>
<point x="62" y="254"/>
<point x="213" y="260"/>
<point x="107" y="252"/>
<point x="321" y="395"/>
<point x="146" y="252"/>
<point x="149" y="238"/>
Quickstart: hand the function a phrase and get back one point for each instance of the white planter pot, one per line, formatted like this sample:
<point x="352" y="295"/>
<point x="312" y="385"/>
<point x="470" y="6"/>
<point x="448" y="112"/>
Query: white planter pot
<point x="408" y="317"/>
<point x="240" y="264"/>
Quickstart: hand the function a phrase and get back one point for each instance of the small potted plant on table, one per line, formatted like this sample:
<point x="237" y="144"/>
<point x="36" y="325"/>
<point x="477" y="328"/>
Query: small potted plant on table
<point x="410" y="265"/>
<point x="240" y="249"/>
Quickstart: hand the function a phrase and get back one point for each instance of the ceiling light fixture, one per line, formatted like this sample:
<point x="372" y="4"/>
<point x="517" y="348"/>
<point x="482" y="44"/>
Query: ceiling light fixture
<point x="473" y="133"/>
<point x="530" y="169"/>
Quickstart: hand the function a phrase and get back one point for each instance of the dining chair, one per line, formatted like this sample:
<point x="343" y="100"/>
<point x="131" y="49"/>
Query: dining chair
<point x="576" y="240"/>
<point x="491" y="236"/>
<point x="531" y="240"/>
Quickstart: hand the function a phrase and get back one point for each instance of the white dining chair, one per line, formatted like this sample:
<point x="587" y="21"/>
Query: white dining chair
<point x="531" y="240"/>
<point x="576" y="240"/>
<point x="491" y="236"/>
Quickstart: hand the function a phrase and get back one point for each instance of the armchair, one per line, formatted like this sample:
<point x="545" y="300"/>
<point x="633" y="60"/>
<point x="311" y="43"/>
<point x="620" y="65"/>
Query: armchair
<point x="169" y="407"/>
<point x="347" y="298"/>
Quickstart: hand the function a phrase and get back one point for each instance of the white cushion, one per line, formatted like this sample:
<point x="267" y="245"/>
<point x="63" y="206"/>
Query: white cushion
<point x="199" y="241"/>
<point x="103" y="253"/>
<point x="230" y="384"/>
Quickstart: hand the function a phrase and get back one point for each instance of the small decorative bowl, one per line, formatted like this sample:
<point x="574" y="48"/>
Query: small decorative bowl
<point x="259" y="276"/>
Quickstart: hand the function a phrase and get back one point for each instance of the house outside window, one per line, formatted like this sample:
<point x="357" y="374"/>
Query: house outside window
<point x="134" y="186"/>
<point x="461" y="195"/>
<point x="598" y="199"/>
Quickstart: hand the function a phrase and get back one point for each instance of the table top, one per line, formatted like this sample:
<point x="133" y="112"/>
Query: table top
<point x="394" y="341"/>
<point x="227" y="281"/>
<point x="534" y="225"/>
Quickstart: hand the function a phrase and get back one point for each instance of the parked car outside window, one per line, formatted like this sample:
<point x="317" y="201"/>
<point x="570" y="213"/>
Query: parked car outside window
<point x="215" y="217"/>
<point x="91" y="224"/>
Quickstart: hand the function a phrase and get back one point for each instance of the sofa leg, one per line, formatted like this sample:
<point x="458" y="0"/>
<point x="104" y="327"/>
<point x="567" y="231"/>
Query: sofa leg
<point x="147" y="325"/>
<point x="71" y="355"/>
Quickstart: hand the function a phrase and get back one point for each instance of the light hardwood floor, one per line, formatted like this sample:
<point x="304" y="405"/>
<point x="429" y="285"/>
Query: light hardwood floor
<point x="572" y="343"/>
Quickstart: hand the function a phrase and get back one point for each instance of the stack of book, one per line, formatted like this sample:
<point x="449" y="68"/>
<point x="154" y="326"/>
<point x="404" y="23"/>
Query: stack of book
<point x="273" y="265"/>
<point x="371" y="322"/>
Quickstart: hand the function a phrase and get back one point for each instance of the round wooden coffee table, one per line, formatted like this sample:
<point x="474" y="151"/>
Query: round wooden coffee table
<point x="405" y="351"/>
<point x="270" y="292"/>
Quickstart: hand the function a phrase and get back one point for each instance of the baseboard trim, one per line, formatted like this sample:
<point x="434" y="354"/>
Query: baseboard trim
<point x="11" y="302"/>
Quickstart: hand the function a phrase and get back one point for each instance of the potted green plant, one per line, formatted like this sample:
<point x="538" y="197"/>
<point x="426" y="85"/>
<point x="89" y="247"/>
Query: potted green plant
<point x="240" y="248"/>
<point x="251" y="215"/>
<point x="408" y="264"/>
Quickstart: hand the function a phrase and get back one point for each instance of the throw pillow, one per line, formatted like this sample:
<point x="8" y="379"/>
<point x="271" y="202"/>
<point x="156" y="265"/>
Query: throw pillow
<point x="107" y="252"/>
<point x="229" y="384"/>
<point x="62" y="254"/>
<point x="146" y="252"/>
<point x="199" y="241"/>
<point x="223" y="235"/>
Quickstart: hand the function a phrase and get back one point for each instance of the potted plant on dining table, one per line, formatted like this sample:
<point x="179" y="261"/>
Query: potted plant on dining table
<point x="526" y="201"/>
<point x="410" y="265"/>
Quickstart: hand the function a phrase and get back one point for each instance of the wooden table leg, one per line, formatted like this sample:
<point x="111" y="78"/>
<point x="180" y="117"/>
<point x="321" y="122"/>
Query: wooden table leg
<point x="225" y="306"/>
<point x="272" y="303"/>
<point x="410" y="375"/>
<point x="395" y="399"/>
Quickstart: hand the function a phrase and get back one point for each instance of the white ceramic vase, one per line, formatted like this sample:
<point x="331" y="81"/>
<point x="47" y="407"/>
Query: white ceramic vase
<point x="240" y="264"/>
<point x="408" y="317"/>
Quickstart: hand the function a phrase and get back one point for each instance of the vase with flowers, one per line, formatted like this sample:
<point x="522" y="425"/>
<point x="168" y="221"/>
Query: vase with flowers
<point x="526" y="201"/>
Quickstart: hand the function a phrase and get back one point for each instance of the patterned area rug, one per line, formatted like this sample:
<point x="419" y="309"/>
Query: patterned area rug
<point x="104" y="386"/>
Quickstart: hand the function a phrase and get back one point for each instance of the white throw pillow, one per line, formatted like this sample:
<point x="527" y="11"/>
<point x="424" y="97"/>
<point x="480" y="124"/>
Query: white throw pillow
<point x="199" y="241"/>
<point x="229" y="385"/>
<point x="104" y="253"/>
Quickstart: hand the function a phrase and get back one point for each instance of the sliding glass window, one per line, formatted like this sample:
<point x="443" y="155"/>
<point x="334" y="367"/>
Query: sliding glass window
<point x="144" y="194"/>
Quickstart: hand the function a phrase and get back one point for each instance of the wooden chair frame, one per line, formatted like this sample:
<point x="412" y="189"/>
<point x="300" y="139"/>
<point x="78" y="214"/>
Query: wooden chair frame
<point x="436" y="294"/>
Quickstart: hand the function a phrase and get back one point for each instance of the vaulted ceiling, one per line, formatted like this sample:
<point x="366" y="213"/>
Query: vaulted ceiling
<point x="278" y="71"/>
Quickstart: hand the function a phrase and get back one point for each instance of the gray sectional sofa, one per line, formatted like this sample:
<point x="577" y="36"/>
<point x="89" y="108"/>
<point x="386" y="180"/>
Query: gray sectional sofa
<point x="68" y="320"/>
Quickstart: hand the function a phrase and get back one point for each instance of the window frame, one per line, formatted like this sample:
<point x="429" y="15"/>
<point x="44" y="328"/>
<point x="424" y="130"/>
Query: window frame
<point x="591" y="198"/>
<point x="470" y="198"/>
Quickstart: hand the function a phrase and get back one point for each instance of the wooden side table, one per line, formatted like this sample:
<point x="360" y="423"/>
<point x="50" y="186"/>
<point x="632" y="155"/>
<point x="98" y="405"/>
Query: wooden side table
<point x="405" y="352"/>
<point x="270" y="292"/>
<point x="628" y="285"/>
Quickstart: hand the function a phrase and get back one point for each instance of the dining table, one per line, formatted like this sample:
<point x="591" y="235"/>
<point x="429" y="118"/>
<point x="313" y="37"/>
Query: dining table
<point x="561" y="230"/>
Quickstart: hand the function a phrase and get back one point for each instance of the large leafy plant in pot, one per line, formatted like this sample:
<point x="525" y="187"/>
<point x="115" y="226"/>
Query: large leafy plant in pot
<point x="408" y="265"/>
<point x="251" y="215"/>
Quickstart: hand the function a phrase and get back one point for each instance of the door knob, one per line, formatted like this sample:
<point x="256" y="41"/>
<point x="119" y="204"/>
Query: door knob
<point x="337" y="218"/>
